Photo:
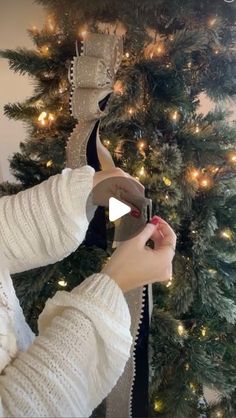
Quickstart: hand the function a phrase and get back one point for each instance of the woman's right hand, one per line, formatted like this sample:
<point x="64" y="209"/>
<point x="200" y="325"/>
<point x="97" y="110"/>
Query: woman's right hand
<point x="133" y="264"/>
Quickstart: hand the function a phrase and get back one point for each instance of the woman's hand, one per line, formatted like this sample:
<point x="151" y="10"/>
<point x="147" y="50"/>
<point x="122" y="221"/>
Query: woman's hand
<point x="133" y="264"/>
<point x="118" y="184"/>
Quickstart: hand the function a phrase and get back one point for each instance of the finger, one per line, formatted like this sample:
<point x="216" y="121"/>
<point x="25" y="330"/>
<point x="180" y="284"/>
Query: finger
<point x="167" y="232"/>
<point x="145" y="234"/>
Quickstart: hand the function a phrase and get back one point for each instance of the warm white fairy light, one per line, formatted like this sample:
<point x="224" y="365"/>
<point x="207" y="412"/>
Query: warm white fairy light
<point x="42" y="118"/>
<point x="142" y="171"/>
<point x="49" y="163"/>
<point x="51" y="117"/>
<point x="127" y="54"/>
<point x="107" y="142"/>
<point x="197" y="130"/>
<point x="226" y="233"/>
<point x="131" y="110"/>
<point x="212" y="21"/>
<point x="175" y="115"/>
<point x="62" y="283"/>
<point x="181" y="329"/>
<point x="203" y="331"/>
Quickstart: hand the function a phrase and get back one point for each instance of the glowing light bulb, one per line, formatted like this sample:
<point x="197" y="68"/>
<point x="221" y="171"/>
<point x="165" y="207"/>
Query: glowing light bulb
<point x="42" y="118"/>
<point x="192" y="387"/>
<point x="203" y="331"/>
<point x="194" y="173"/>
<point x="166" y="196"/>
<point x="180" y="329"/>
<point x="216" y="51"/>
<point x="44" y="49"/>
<point x="167" y="181"/>
<point x="83" y="33"/>
<point x="151" y="55"/>
<point x="204" y="183"/>
<point x="233" y="158"/>
<point x="49" y="163"/>
<point x="197" y="130"/>
<point x="187" y="366"/>
<point x="219" y="414"/>
<point x="51" y="117"/>
<point x="158" y="405"/>
<point x="142" y="171"/>
<point x="212" y="21"/>
<point x="175" y="115"/>
<point x="118" y="87"/>
<point x="131" y="111"/>
<point x="62" y="283"/>
<point x="127" y="54"/>
<point x="227" y="233"/>
<point x="34" y="28"/>
<point x="107" y="142"/>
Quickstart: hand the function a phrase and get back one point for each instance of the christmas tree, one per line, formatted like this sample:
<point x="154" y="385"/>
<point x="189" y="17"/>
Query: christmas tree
<point x="173" y="51"/>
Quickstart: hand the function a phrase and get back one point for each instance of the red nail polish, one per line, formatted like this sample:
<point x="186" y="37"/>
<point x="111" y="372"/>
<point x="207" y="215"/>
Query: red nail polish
<point x="155" y="220"/>
<point x="135" y="213"/>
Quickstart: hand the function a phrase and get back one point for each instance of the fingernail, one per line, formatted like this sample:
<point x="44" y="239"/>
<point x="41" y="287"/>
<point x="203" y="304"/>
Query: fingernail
<point x="155" y="220"/>
<point x="135" y="213"/>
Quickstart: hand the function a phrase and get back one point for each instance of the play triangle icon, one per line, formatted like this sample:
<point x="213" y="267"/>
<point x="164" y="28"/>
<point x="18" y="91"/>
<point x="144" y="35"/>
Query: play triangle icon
<point x="117" y="209"/>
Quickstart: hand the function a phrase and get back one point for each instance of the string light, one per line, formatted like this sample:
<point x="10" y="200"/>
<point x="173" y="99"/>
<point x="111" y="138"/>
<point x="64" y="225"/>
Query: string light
<point x="189" y="64"/>
<point x="187" y="367"/>
<point x="169" y="282"/>
<point x="158" y="405"/>
<point x="181" y="329"/>
<point x="127" y="54"/>
<point x="167" y="181"/>
<point x="197" y="130"/>
<point x="131" y="110"/>
<point x="212" y="271"/>
<point x="216" y="51"/>
<point x="142" y="171"/>
<point x="175" y="115"/>
<point x="106" y="142"/>
<point x="219" y="414"/>
<point x="212" y="21"/>
<point x="49" y="163"/>
<point x="226" y="233"/>
<point x="232" y="157"/>
<point x="44" y="50"/>
<point x="205" y="182"/>
<point x="83" y="33"/>
<point x="62" y="283"/>
<point x="118" y="87"/>
<point x="42" y="118"/>
<point x="203" y="331"/>
<point x="192" y="387"/>
<point x="34" y="28"/>
<point x="51" y="117"/>
<point x="194" y="174"/>
<point x="166" y="196"/>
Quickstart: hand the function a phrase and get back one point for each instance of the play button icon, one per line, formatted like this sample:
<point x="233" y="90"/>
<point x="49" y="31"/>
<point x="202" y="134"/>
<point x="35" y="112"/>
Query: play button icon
<point x="117" y="209"/>
<point x="125" y="209"/>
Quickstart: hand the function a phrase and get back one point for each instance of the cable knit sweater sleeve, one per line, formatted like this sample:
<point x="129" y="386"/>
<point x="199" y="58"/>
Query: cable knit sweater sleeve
<point x="83" y="344"/>
<point x="44" y="224"/>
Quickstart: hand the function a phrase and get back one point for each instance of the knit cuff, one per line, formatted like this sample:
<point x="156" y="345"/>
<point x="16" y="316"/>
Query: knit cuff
<point x="105" y="291"/>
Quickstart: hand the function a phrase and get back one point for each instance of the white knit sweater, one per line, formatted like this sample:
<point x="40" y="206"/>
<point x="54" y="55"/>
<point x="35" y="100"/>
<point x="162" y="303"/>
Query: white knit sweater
<point x="84" y="336"/>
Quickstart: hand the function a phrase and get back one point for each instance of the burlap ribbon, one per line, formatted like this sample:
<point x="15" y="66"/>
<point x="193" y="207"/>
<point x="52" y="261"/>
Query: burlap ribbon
<point x="92" y="76"/>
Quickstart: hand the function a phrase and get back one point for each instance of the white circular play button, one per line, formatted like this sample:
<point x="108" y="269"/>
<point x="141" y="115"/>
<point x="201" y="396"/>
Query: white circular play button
<point x="117" y="209"/>
<point x="127" y="207"/>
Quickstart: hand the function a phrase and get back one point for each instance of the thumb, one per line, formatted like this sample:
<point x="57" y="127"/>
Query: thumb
<point x="146" y="233"/>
